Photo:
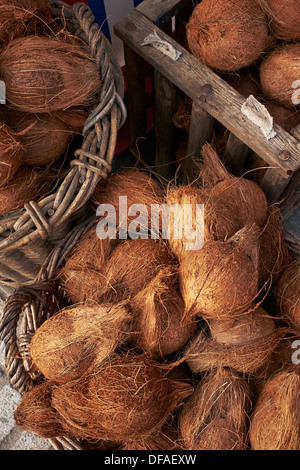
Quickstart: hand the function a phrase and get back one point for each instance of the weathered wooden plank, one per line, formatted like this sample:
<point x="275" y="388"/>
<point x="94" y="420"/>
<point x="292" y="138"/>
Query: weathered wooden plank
<point x="235" y="155"/>
<point x="165" y="107"/>
<point x="135" y="76"/>
<point x="273" y="184"/>
<point x="160" y="12"/>
<point x="222" y="101"/>
<point x="200" y="131"/>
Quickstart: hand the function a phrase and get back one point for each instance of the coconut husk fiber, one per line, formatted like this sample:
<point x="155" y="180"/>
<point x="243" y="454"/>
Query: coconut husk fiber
<point x="82" y="274"/>
<point x="233" y="202"/>
<point x="36" y="414"/>
<point x="275" y="421"/>
<point x="131" y="266"/>
<point x="186" y="227"/>
<point x="43" y="75"/>
<point x="72" y="342"/>
<point x="278" y="71"/>
<point x="203" y="353"/>
<point x="139" y="188"/>
<point x="220" y="281"/>
<point x="28" y="184"/>
<point x="157" y="316"/>
<point x="215" y="416"/>
<point x="128" y="398"/>
<point x="284" y="18"/>
<point x="19" y="18"/>
<point x="287" y="292"/>
<point x="11" y="154"/>
<point x="227" y="35"/>
<point x="167" y="438"/>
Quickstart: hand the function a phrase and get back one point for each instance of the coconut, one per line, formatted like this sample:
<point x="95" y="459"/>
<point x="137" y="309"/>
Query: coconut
<point x="233" y="202"/>
<point x="244" y="329"/>
<point x="245" y="82"/>
<point x="71" y="342"/>
<point x="185" y="221"/>
<point x="279" y="75"/>
<point x="158" y="310"/>
<point x="36" y="414"/>
<point x="215" y="416"/>
<point x="43" y="75"/>
<point x="167" y="438"/>
<point x="227" y="36"/>
<point x="221" y="280"/>
<point x="288" y="294"/>
<point x="19" y="18"/>
<point x="286" y="118"/>
<point x="28" y="184"/>
<point x="137" y="187"/>
<point x="128" y="398"/>
<point x="131" y="266"/>
<point x="11" y="154"/>
<point x="284" y="18"/>
<point x="275" y="421"/>
<point x="204" y="353"/>
<point x="82" y="274"/>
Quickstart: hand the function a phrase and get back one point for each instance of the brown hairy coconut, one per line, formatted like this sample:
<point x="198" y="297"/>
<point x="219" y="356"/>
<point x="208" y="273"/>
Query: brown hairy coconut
<point x="19" y="18"/>
<point x="215" y="416"/>
<point x="43" y="75"/>
<point x="139" y="188"/>
<point x="11" y="154"/>
<point x="82" y="274"/>
<point x="288" y="294"/>
<point x="36" y="414"/>
<point x="284" y="18"/>
<point x="204" y="353"/>
<point x="273" y="250"/>
<point x="275" y="421"/>
<point x="233" y="202"/>
<point x="284" y="117"/>
<point x="221" y="280"/>
<point x="28" y="184"/>
<point x="127" y="398"/>
<point x="227" y="36"/>
<point x="185" y="224"/>
<point x="167" y="438"/>
<point x="158" y="311"/>
<point x="77" y="339"/>
<point x="132" y="265"/>
<point x="245" y="82"/>
<point x="279" y="75"/>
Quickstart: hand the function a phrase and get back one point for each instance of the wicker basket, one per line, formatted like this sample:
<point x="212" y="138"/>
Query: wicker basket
<point x="29" y="234"/>
<point x="26" y="309"/>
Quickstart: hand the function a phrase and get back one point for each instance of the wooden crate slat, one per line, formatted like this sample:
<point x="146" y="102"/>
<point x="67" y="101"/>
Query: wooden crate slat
<point x="159" y="12"/>
<point x="222" y="102"/>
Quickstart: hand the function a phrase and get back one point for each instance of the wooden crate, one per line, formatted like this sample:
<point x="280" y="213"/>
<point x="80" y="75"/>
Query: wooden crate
<point x="213" y="99"/>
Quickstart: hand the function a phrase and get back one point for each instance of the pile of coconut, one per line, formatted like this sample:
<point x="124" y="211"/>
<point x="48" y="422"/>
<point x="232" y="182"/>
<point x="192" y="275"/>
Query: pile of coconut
<point x="164" y="347"/>
<point x="51" y="80"/>
<point x="254" y="46"/>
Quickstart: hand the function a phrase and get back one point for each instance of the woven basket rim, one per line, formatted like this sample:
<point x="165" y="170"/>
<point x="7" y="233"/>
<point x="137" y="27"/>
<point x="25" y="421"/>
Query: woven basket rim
<point x="92" y="162"/>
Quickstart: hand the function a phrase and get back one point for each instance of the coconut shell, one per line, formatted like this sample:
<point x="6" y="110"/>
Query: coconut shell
<point x="11" y="154"/>
<point x="82" y="273"/>
<point x="288" y="294"/>
<point x="278" y="72"/>
<point x="28" y="184"/>
<point x="284" y="18"/>
<point x="128" y="398"/>
<point x="275" y="421"/>
<point x="186" y="229"/>
<point x="233" y="202"/>
<point x="204" y="353"/>
<point x="221" y="280"/>
<point x="158" y="311"/>
<point x="227" y="36"/>
<point x="43" y="75"/>
<point x="132" y="265"/>
<point x="35" y="413"/>
<point x="71" y="342"/>
<point x="215" y="416"/>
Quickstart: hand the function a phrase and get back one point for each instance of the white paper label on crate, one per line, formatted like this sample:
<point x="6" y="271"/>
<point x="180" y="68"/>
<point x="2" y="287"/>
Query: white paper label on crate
<point x="162" y="46"/>
<point x="2" y="92"/>
<point x="259" y="115"/>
